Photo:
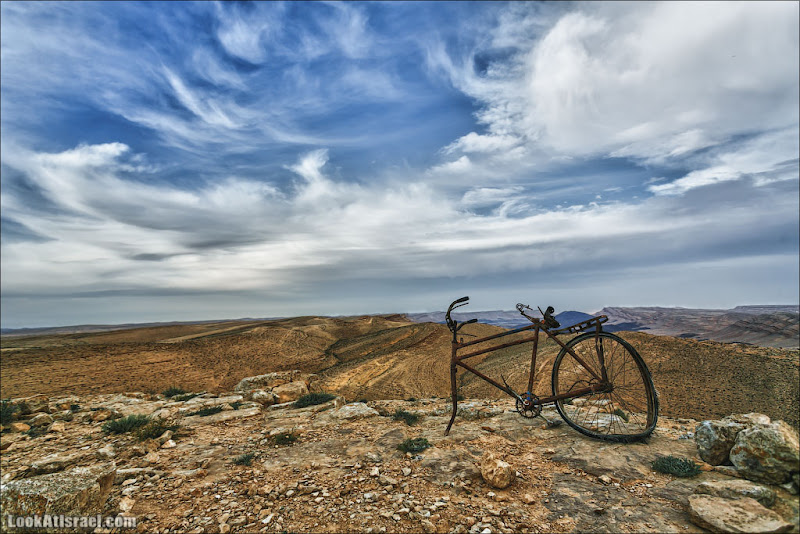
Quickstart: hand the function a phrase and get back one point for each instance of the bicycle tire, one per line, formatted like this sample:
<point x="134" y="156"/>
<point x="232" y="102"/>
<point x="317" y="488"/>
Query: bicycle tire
<point x="628" y="412"/>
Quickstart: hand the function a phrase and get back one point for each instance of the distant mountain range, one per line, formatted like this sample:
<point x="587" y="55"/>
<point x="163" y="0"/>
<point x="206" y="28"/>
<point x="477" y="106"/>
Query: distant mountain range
<point x="764" y="325"/>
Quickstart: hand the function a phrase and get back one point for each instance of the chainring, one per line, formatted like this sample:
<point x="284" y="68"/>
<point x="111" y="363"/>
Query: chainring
<point x="528" y="406"/>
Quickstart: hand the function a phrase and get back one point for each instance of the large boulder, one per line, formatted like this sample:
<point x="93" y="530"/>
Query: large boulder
<point x="767" y="452"/>
<point x="715" y="438"/>
<point x="56" y="462"/>
<point x="291" y="391"/>
<point x="356" y="410"/>
<point x="718" y="514"/>
<point x="443" y="466"/>
<point x="33" y="404"/>
<point x="736" y="489"/>
<point x="40" y="420"/>
<point x="78" y="491"/>
<point x="270" y="380"/>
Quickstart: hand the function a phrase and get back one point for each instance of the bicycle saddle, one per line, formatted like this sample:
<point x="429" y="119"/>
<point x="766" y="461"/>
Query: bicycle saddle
<point x="549" y="320"/>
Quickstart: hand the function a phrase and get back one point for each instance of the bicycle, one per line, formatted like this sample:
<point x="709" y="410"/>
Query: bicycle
<point x="601" y="386"/>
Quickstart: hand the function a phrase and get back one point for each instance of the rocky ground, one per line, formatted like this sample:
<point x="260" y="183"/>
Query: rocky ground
<point x="344" y="472"/>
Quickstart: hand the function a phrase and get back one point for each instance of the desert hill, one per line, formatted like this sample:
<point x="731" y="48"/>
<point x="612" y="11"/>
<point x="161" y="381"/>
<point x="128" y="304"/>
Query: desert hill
<point x="767" y="326"/>
<point x="379" y="357"/>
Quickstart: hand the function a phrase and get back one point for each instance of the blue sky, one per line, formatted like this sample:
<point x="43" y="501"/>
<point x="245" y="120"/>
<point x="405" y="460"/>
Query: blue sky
<point x="189" y="161"/>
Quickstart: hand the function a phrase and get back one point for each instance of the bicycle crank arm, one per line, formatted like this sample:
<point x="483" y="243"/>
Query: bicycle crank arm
<point x="550" y="424"/>
<point x="511" y="391"/>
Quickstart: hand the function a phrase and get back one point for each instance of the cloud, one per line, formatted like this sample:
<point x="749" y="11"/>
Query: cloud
<point x="242" y="34"/>
<point x="473" y="142"/>
<point x="243" y="234"/>
<point x="609" y="79"/>
<point x="487" y="196"/>
<point x="459" y="166"/>
<point x="760" y="158"/>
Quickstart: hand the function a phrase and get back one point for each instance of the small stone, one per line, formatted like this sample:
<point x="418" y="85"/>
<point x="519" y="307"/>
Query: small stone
<point x="39" y="420"/>
<point x="224" y="528"/>
<point x="605" y="479"/>
<point x="20" y="427"/>
<point x="406" y="471"/>
<point x="126" y="504"/>
<point x="169" y="444"/>
<point x="106" y="453"/>
<point x="57" y="426"/>
<point x="496" y="472"/>
<point x="383" y="480"/>
<point x="375" y="471"/>
<point x="527" y="498"/>
<point x="427" y="526"/>
<point x="166" y="436"/>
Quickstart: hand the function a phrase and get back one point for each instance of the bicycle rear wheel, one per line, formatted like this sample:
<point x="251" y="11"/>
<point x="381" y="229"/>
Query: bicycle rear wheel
<point x="628" y="409"/>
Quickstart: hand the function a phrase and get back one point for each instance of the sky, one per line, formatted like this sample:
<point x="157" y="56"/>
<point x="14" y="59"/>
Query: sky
<point x="195" y="161"/>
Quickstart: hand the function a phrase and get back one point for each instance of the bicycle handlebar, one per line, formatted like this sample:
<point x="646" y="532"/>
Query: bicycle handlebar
<point x="452" y="324"/>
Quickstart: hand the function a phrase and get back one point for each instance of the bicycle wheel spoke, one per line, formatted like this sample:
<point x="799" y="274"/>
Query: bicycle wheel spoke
<point x="625" y="411"/>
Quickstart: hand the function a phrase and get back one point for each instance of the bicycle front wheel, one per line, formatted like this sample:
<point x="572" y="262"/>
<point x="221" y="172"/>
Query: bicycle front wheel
<point x="626" y="410"/>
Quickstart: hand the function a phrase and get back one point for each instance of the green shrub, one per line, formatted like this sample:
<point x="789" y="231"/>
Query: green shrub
<point x="36" y="431"/>
<point x="284" y="438"/>
<point x="408" y="417"/>
<point x="172" y="391"/>
<point x="210" y="410"/>
<point x="187" y="396"/>
<point x="414" y="445"/>
<point x="155" y="428"/>
<point x="312" y="399"/>
<point x="672" y="465"/>
<point x="244" y="459"/>
<point x="7" y="409"/>
<point x="74" y="408"/>
<point x="622" y="415"/>
<point x="236" y="405"/>
<point x="125" y="424"/>
<point x="412" y="399"/>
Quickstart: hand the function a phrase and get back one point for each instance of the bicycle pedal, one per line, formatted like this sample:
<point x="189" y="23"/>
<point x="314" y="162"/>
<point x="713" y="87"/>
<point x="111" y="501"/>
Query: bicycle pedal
<point x="551" y="424"/>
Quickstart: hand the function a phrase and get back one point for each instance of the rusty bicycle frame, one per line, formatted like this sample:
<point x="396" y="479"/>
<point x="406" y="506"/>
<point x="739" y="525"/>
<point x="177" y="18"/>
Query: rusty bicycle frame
<point x="528" y="405"/>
